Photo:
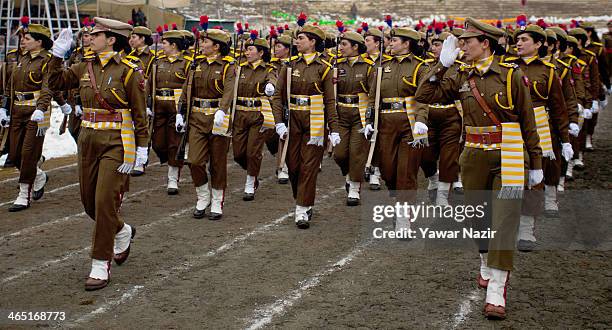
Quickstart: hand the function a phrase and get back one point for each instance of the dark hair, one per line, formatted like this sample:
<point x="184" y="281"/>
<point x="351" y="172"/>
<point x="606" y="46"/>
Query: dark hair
<point x="319" y="44"/>
<point x="594" y="36"/>
<point x="224" y="47"/>
<point x="292" y="51"/>
<point x="376" y="38"/>
<point x="330" y="42"/>
<point x="553" y="42"/>
<point x="413" y="46"/>
<point x="562" y="44"/>
<point x="46" y="42"/>
<point x="189" y="41"/>
<point x="266" y="52"/>
<point x="582" y="39"/>
<point x="494" y="45"/>
<point x="361" y="48"/>
<point x="575" y="49"/>
<point x="180" y="44"/>
<point x="121" y="42"/>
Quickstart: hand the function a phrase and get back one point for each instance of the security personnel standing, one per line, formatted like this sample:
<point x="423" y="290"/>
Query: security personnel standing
<point x="211" y="99"/>
<point x="30" y="115"/>
<point x="497" y="113"/>
<point x="548" y="102"/>
<point x="170" y="74"/>
<point x="312" y="107"/>
<point x="253" y="116"/>
<point x="74" y="119"/>
<point x="373" y="39"/>
<point x="113" y="136"/>
<point x="444" y="135"/>
<point x="354" y="74"/>
<point x="402" y="130"/>
<point x="140" y="41"/>
<point x="10" y="61"/>
<point x="282" y="49"/>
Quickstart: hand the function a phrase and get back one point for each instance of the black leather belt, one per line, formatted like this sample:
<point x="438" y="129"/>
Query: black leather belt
<point x="249" y="103"/>
<point x="393" y="106"/>
<point x="205" y="103"/>
<point x="300" y="101"/>
<point x="348" y="99"/>
<point x="164" y="92"/>
<point x="24" y="96"/>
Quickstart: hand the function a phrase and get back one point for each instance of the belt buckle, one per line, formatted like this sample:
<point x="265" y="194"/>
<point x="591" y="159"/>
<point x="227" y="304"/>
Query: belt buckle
<point x="250" y="103"/>
<point x="397" y="105"/>
<point x="20" y="97"/>
<point x="486" y="138"/>
<point x="348" y="100"/>
<point x="302" y="101"/>
<point x="92" y="116"/>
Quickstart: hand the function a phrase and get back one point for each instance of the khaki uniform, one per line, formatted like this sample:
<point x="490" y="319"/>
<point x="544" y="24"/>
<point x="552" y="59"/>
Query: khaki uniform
<point x="31" y="85"/>
<point x="247" y="135"/>
<point x="545" y="90"/>
<point x="593" y="87"/>
<point x="170" y="77"/>
<point x="101" y="150"/>
<point x="607" y="43"/>
<point x="273" y="142"/>
<point x="212" y="89"/>
<point x="444" y="137"/>
<point x="303" y="159"/>
<point x="74" y="121"/>
<point x="399" y="159"/>
<point x="352" y="152"/>
<point x="481" y="168"/>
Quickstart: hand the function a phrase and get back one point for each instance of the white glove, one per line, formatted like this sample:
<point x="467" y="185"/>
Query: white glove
<point x="595" y="107"/>
<point x="580" y="108"/>
<point x="66" y="108"/>
<point x="587" y="114"/>
<point x="37" y="116"/>
<point x="180" y="123"/>
<point x="603" y="104"/>
<point x="219" y="115"/>
<point x="610" y="90"/>
<point x="62" y="44"/>
<point x="269" y="90"/>
<point x="281" y="130"/>
<point x="420" y="128"/>
<point x="367" y="130"/>
<point x="574" y="129"/>
<point x="78" y="111"/>
<point x="334" y="139"/>
<point x="535" y="177"/>
<point x="4" y="118"/>
<point x="142" y="155"/>
<point x="149" y="112"/>
<point x="567" y="151"/>
<point x="449" y="52"/>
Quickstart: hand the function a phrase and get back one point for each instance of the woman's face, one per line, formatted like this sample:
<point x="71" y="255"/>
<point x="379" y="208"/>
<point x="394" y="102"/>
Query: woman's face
<point x="348" y="50"/>
<point x="208" y="47"/>
<point x="252" y="54"/>
<point x="526" y="46"/>
<point x="305" y="45"/>
<point x="168" y="47"/>
<point x="28" y="43"/>
<point x="399" y="47"/>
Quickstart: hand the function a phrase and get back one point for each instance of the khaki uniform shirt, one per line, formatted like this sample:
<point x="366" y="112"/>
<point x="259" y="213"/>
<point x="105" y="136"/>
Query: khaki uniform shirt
<point x="444" y="89"/>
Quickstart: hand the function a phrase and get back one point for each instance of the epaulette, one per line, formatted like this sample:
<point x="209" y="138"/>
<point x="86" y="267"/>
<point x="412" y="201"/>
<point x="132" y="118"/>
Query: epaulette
<point x="89" y="57"/>
<point x="510" y="58"/>
<point x="509" y="65"/>
<point x="428" y="60"/>
<point x="563" y="63"/>
<point x="244" y="63"/>
<point x="326" y="63"/>
<point x="188" y="58"/>
<point x="341" y="60"/>
<point x="152" y="51"/>
<point x="548" y="64"/>
<point x="89" y="52"/>
<point x="589" y="52"/>
<point x="132" y="57"/>
<point x="597" y="44"/>
<point x="200" y="57"/>
<point x="581" y="62"/>
<point x="465" y="67"/>
<point x="12" y="51"/>
<point x="459" y="62"/>
<point x="130" y="64"/>
<point x="228" y="59"/>
<point x="293" y="58"/>
<point x="387" y="58"/>
<point x="369" y="61"/>
<point x="572" y="57"/>
<point x="274" y="60"/>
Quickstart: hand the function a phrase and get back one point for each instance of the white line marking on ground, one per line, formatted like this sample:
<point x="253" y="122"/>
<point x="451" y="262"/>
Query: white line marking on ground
<point x="465" y="308"/>
<point x="264" y="316"/>
<point x="48" y="171"/>
<point x="68" y="217"/>
<point x="188" y="265"/>
<point x="75" y="253"/>
<point x="48" y="192"/>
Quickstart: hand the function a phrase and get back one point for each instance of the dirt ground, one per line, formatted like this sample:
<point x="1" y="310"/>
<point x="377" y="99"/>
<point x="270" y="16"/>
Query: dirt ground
<point x="256" y="269"/>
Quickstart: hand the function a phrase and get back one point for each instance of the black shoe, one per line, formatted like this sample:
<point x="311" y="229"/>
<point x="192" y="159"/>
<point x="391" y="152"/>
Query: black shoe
<point x="458" y="190"/>
<point x="526" y="246"/>
<point x="248" y="197"/>
<point x="17" y="207"/>
<point x="136" y="173"/>
<point x="38" y="194"/>
<point x="199" y="214"/>
<point x="551" y="213"/>
<point x="309" y="214"/>
<point x="374" y="186"/>
<point x="283" y="181"/>
<point x="215" y="216"/>
<point x="352" y="201"/>
<point x="346" y="187"/>
<point x="173" y="191"/>
<point x="433" y="194"/>
<point x="303" y="224"/>
<point x="8" y="163"/>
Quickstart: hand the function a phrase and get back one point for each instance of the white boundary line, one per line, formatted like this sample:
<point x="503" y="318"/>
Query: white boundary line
<point x="48" y="171"/>
<point x="264" y="316"/>
<point x="465" y="308"/>
<point x="187" y="265"/>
